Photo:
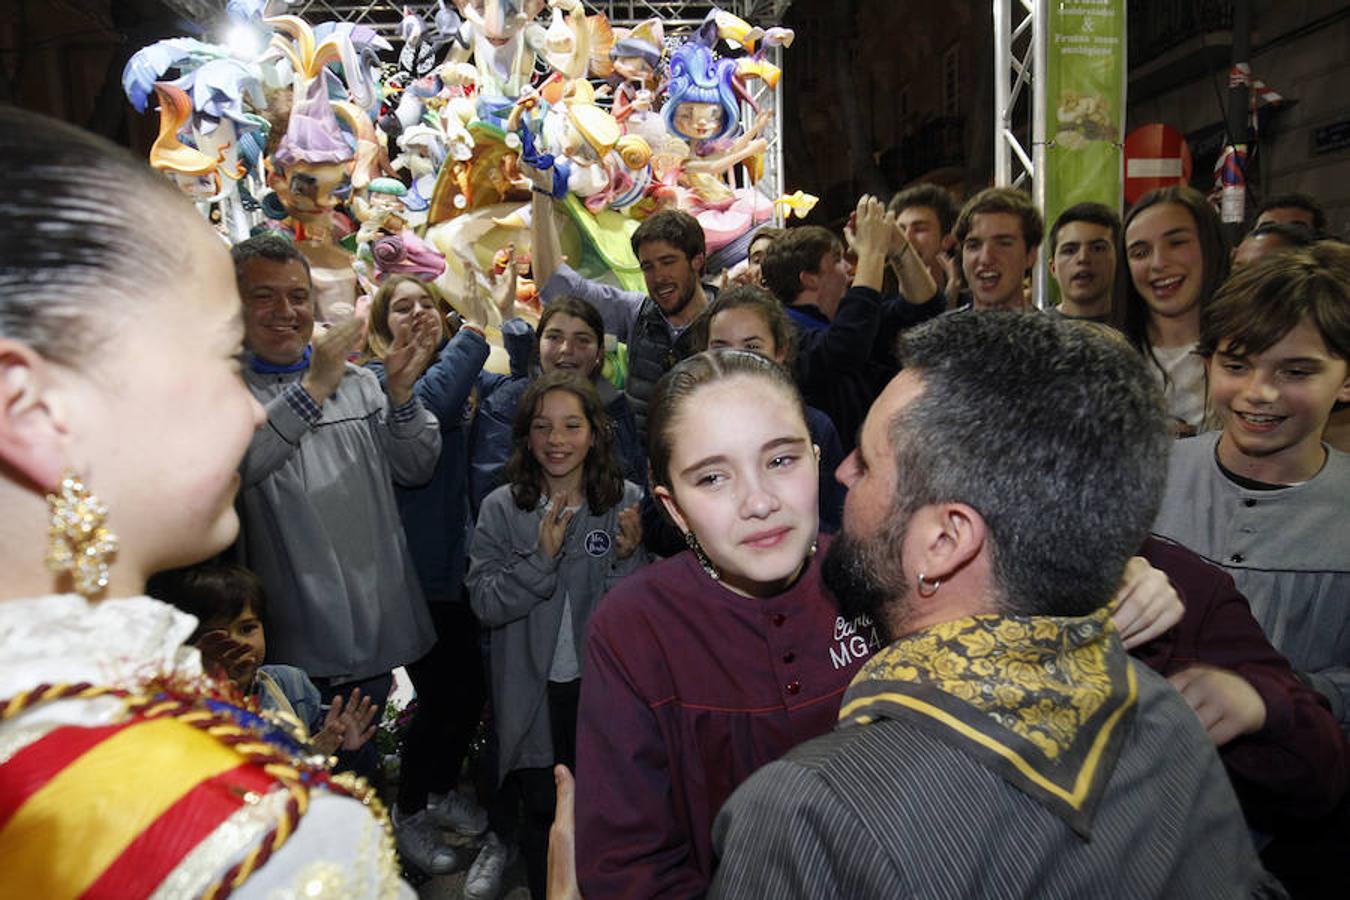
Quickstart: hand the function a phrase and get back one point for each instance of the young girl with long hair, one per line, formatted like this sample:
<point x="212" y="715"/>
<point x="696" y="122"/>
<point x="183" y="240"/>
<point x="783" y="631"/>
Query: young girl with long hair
<point x="570" y="338"/>
<point x="547" y="546"/>
<point x="1178" y="257"/>
<point x="449" y="679"/>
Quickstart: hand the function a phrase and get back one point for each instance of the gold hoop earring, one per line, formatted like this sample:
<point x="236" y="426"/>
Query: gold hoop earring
<point x="701" y="555"/>
<point x="928" y="588"/>
<point x="77" y="541"/>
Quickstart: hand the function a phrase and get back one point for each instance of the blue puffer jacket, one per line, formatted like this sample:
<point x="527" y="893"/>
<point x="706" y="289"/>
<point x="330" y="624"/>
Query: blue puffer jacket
<point x="490" y="441"/>
<point x="436" y="515"/>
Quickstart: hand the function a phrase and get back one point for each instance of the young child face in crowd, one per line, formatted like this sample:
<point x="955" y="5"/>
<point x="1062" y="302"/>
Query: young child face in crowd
<point x="409" y="302"/>
<point x="246" y="629"/>
<point x="744" y="480"/>
<point x="568" y="343"/>
<point x="1275" y="404"/>
<point x="744" y="329"/>
<point x="1167" y="264"/>
<point x="560" y="435"/>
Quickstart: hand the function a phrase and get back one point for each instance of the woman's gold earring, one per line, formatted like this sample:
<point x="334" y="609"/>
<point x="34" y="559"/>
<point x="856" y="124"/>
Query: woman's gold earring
<point x="77" y="541"/>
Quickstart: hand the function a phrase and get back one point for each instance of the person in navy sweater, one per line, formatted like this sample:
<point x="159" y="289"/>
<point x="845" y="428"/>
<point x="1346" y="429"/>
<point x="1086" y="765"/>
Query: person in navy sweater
<point x="449" y="679"/>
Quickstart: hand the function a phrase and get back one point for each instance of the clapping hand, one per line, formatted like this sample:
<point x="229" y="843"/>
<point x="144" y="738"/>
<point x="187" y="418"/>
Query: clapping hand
<point x="553" y="527"/>
<point x="630" y="532"/>
<point x="328" y="359"/>
<point x="503" y="286"/>
<point x="409" y="355"/>
<point x="870" y="234"/>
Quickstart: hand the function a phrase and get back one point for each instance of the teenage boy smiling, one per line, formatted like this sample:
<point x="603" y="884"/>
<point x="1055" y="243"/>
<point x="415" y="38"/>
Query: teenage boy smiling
<point x="1265" y="498"/>
<point x="999" y="231"/>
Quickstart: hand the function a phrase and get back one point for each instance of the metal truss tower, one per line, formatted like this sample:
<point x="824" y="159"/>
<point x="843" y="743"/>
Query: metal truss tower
<point x="384" y="15"/>
<point x="1020" y="57"/>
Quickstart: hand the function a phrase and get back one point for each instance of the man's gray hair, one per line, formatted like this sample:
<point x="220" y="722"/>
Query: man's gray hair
<point x="1053" y="431"/>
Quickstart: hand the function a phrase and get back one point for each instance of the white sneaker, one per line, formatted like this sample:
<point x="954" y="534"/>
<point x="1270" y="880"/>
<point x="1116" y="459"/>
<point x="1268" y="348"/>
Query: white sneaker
<point x="484" y="881"/>
<point x="458" y="813"/>
<point x="419" y="843"/>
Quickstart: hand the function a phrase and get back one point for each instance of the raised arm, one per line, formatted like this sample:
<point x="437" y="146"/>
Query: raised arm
<point x="299" y="407"/>
<point x="846" y="343"/>
<point x="545" y="249"/>
<point x="916" y="282"/>
<point x="619" y="308"/>
<point x="445" y="386"/>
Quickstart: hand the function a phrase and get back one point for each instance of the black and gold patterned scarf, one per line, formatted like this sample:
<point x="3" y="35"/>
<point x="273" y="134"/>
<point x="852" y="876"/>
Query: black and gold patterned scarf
<point x="1043" y="701"/>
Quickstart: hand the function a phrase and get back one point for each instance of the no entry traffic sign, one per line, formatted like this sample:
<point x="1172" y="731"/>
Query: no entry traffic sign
<point x="1156" y="156"/>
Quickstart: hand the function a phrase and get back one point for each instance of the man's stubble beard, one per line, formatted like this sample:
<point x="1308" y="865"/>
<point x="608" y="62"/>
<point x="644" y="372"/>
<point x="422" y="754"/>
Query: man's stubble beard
<point x="865" y="582"/>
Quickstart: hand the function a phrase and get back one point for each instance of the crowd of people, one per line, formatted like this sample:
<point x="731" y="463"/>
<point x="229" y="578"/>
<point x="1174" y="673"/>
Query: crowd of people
<point x="857" y="574"/>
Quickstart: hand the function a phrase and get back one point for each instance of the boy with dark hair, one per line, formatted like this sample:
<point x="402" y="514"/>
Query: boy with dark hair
<point x="674" y="226"/>
<point x="933" y="198"/>
<point x="837" y="322"/>
<point x="1265" y="498"/>
<point x="1293" y="209"/>
<point x="999" y="231"/>
<point x="807" y="260"/>
<point x="926" y="214"/>
<point x="1083" y="260"/>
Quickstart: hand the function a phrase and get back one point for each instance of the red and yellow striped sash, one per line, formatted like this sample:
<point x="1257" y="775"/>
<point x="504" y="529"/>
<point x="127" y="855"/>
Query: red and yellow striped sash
<point x="110" y="811"/>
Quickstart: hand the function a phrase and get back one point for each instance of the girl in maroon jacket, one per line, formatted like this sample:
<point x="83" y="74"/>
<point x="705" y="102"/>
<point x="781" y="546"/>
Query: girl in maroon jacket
<point x="704" y="667"/>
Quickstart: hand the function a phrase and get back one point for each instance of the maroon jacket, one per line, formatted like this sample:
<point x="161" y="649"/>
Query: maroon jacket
<point x="1295" y="767"/>
<point x="687" y="689"/>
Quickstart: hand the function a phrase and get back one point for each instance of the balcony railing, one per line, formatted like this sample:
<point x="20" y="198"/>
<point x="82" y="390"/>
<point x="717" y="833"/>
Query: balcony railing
<point x="1157" y="26"/>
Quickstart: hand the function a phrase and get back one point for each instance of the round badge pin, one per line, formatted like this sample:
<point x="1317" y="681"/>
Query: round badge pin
<point x="598" y="542"/>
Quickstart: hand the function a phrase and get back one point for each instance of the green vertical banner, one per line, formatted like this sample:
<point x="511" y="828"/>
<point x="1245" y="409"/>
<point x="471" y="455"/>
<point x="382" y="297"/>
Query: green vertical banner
<point x="1085" y="77"/>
